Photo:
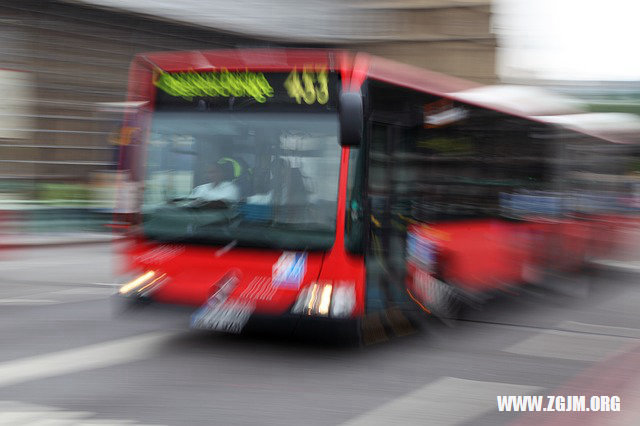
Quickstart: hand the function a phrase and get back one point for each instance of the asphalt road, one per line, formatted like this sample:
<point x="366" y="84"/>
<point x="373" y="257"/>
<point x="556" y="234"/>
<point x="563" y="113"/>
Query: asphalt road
<point x="68" y="358"/>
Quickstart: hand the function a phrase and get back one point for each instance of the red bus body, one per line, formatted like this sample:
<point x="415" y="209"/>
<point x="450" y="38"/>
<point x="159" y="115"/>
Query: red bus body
<point x="478" y="256"/>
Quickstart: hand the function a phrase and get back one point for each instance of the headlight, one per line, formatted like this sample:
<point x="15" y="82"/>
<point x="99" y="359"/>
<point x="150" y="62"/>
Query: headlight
<point x="343" y="301"/>
<point x="325" y="298"/>
<point x="143" y="284"/>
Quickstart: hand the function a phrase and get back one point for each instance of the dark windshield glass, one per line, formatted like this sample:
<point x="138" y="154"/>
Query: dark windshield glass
<point x="255" y="179"/>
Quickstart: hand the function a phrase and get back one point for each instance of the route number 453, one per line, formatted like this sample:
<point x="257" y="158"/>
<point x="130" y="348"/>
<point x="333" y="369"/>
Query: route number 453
<point x="308" y="86"/>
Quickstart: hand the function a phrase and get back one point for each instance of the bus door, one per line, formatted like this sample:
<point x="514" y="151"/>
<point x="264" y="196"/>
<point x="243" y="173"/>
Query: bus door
<point x="385" y="252"/>
<point x="393" y="115"/>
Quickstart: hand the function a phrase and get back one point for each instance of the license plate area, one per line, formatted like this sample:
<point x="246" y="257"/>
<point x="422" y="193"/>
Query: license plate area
<point x="228" y="317"/>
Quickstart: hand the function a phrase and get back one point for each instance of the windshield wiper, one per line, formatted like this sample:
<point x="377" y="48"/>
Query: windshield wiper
<point x="226" y="248"/>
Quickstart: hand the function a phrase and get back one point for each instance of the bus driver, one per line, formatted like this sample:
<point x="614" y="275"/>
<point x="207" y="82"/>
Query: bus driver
<point x="221" y="186"/>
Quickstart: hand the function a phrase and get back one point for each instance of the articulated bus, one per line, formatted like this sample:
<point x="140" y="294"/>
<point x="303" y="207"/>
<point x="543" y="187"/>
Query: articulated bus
<point x="319" y="188"/>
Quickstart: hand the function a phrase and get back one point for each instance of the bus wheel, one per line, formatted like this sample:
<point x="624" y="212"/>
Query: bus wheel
<point x="445" y="302"/>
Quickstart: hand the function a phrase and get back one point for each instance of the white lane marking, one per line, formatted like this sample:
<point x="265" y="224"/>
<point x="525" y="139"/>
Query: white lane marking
<point x="35" y="263"/>
<point x="37" y="417"/>
<point x="631" y="333"/>
<point x="631" y="265"/>
<point x="67" y="295"/>
<point x="15" y="282"/>
<point x="27" y="302"/>
<point x="20" y="413"/>
<point x="81" y="291"/>
<point x="447" y="401"/>
<point x="108" y="284"/>
<point x="77" y="294"/>
<point x="569" y="345"/>
<point x="84" y="358"/>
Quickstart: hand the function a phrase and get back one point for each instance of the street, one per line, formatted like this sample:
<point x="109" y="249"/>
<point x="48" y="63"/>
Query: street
<point x="68" y="356"/>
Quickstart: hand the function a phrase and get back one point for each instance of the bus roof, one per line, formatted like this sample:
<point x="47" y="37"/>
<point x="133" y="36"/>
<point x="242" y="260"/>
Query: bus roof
<point x="612" y="126"/>
<point x="526" y="102"/>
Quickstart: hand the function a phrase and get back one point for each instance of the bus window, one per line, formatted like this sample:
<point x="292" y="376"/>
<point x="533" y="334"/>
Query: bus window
<point x="461" y="170"/>
<point x="354" y="220"/>
<point x="197" y="162"/>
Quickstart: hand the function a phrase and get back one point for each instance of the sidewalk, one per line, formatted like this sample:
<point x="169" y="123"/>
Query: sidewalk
<point x="26" y="225"/>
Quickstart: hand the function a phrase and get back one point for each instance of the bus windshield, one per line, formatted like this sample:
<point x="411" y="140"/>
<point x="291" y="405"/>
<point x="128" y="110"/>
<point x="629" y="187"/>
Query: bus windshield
<point x="244" y="178"/>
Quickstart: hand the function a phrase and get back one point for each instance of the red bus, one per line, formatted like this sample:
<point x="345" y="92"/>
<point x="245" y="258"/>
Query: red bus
<point x="322" y="188"/>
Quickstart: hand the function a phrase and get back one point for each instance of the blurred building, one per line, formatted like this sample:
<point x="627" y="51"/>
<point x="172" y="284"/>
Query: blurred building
<point x="59" y="64"/>
<point x="63" y="64"/>
<point x="449" y="36"/>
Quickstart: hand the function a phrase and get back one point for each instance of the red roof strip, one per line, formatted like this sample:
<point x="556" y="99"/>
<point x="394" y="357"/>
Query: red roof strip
<point x="360" y="69"/>
<point x="345" y="67"/>
<point x="272" y="60"/>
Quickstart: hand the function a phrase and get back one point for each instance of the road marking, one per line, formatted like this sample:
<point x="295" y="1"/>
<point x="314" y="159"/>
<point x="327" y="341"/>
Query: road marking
<point x="620" y="265"/>
<point x="84" y="358"/>
<point x="20" y="413"/>
<point x="569" y="345"/>
<point x="107" y="284"/>
<point x="35" y="263"/>
<point x="447" y="401"/>
<point x="67" y="295"/>
<point x="22" y="302"/>
<point x="52" y="417"/>
<point x="78" y="294"/>
<point x="631" y="333"/>
<point x="65" y="283"/>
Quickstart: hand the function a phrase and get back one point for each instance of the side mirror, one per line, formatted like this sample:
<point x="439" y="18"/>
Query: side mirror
<point x="351" y="118"/>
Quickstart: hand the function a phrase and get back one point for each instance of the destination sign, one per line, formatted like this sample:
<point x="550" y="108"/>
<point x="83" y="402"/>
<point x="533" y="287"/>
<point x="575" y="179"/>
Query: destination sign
<point x="307" y="86"/>
<point x="192" y="84"/>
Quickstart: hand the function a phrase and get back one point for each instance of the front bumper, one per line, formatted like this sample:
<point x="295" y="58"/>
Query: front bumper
<point x="299" y="327"/>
